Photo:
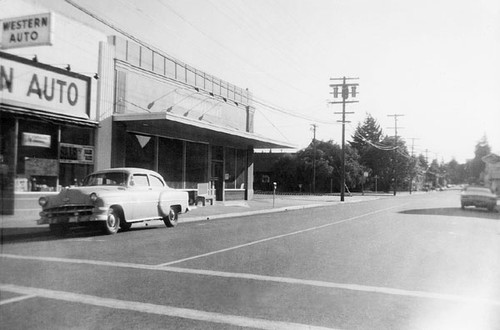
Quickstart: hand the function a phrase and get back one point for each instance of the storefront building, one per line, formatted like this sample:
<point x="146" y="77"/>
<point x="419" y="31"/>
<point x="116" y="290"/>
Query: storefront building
<point x="46" y="135"/>
<point x="189" y="126"/>
<point x="146" y="109"/>
<point x="48" y="103"/>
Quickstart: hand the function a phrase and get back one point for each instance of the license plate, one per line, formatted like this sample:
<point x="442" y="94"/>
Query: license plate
<point x="73" y="219"/>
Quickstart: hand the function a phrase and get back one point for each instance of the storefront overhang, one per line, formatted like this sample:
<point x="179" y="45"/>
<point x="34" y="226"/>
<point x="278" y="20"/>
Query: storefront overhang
<point x="46" y="116"/>
<point x="173" y="126"/>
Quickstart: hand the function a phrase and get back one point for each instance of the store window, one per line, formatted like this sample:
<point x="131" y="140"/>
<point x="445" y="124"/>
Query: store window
<point x="196" y="164"/>
<point x="230" y="168"/>
<point x="217" y="153"/>
<point x="170" y="161"/>
<point x="38" y="161"/>
<point x="77" y="135"/>
<point x="76" y="152"/>
<point x="235" y="167"/>
<point x="241" y="168"/>
<point x="140" y="151"/>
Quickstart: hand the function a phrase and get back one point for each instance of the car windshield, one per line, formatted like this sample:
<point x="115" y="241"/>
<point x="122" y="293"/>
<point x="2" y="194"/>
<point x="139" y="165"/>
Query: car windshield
<point x="106" y="179"/>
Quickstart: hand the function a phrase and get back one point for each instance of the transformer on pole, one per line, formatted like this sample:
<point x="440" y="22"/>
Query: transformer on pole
<point x="346" y="90"/>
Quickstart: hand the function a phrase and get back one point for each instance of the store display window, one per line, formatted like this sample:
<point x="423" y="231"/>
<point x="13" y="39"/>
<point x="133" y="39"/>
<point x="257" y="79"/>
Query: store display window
<point x="170" y="161"/>
<point x="37" y="155"/>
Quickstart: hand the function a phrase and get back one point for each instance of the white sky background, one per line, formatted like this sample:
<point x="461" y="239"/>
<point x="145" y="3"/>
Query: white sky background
<point x="437" y="62"/>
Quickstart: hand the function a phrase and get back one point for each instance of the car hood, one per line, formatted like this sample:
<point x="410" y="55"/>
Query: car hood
<point x="80" y="195"/>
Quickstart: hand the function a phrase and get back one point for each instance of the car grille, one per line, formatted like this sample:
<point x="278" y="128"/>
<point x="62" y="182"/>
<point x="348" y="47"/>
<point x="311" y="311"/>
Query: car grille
<point x="69" y="210"/>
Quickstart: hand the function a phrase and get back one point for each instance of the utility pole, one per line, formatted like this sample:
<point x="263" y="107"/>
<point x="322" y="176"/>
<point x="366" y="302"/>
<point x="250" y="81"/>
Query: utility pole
<point x="346" y="90"/>
<point x="313" y="127"/>
<point x="413" y="162"/>
<point x="395" y="149"/>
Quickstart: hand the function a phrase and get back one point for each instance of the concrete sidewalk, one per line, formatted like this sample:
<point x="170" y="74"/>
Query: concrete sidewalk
<point x="25" y="224"/>
<point x="262" y="204"/>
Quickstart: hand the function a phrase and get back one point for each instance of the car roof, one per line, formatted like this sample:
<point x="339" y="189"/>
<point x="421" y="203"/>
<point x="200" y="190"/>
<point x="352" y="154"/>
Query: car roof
<point x="128" y="170"/>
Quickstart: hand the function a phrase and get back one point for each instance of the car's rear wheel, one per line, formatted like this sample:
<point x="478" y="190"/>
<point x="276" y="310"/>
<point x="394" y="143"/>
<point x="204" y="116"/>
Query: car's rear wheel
<point x="112" y="222"/>
<point x="171" y="219"/>
<point x="124" y="225"/>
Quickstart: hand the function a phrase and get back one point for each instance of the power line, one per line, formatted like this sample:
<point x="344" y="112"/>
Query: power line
<point x="246" y="61"/>
<point x="277" y="129"/>
<point x="290" y="113"/>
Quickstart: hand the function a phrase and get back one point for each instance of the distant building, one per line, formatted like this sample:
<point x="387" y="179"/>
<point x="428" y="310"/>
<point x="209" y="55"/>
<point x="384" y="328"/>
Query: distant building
<point x="492" y="172"/>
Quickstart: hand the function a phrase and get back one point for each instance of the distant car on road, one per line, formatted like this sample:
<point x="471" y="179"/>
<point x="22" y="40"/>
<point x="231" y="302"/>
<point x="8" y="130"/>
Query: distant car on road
<point x="115" y="198"/>
<point x="478" y="197"/>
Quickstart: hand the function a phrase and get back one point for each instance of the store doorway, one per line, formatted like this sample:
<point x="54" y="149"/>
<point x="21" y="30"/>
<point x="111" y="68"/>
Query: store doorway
<point x="217" y="179"/>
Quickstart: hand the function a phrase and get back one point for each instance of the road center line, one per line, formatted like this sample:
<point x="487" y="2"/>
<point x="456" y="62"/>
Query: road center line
<point x="275" y="237"/>
<point x="266" y="278"/>
<point x="16" y="299"/>
<point x="192" y="314"/>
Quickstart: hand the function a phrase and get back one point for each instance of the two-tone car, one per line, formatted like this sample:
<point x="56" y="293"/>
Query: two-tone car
<point x="479" y="197"/>
<point x="115" y="198"/>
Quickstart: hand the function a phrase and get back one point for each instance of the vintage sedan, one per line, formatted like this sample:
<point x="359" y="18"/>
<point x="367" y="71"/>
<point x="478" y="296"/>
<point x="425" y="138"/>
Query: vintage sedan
<point x="115" y="198"/>
<point x="478" y="197"/>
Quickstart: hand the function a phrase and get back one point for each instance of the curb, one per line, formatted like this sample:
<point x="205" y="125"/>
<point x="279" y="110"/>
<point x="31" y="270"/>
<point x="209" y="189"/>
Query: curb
<point x="249" y="213"/>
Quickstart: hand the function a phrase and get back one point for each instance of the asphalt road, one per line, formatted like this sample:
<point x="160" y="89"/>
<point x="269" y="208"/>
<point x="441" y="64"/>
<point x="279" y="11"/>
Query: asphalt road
<point x="405" y="262"/>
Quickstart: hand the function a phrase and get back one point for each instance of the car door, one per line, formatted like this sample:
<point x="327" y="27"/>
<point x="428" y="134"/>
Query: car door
<point x="144" y="196"/>
<point x="157" y="187"/>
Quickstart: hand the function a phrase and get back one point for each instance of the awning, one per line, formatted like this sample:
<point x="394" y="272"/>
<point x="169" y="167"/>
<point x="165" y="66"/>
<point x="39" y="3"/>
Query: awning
<point x="44" y="115"/>
<point x="174" y="126"/>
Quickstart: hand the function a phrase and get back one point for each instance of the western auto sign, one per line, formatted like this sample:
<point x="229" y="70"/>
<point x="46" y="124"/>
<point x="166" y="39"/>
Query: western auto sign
<point x="26" y="31"/>
<point x="27" y="84"/>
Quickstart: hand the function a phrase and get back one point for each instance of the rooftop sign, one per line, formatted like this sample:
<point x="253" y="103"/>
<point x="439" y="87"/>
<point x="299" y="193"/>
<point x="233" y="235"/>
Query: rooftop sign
<point x="26" y="31"/>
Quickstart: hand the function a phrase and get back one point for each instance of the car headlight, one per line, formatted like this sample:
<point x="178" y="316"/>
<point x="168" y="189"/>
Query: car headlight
<point x="42" y="201"/>
<point x="93" y="197"/>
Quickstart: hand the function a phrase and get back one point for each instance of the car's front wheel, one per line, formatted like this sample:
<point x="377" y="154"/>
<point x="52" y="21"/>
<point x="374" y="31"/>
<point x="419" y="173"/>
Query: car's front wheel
<point x="112" y="222"/>
<point x="171" y="219"/>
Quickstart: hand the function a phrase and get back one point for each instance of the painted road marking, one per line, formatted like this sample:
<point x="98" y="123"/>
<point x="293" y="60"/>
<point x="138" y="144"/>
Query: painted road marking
<point x="192" y="314"/>
<point x="276" y="237"/>
<point x="275" y="279"/>
<point x="16" y="299"/>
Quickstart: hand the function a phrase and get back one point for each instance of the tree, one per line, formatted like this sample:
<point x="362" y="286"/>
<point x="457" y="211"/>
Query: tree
<point x="476" y="166"/>
<point x="394" y="165"/>
<point x="456" y="172"/>
<point x="286" y="174"/>
<point x="369" y="131"/>
<point x="294" y="172"/>
<point x="367" y="141"/>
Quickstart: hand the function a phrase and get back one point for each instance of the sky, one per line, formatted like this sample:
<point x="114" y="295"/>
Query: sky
<point x="434" y="62"/>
